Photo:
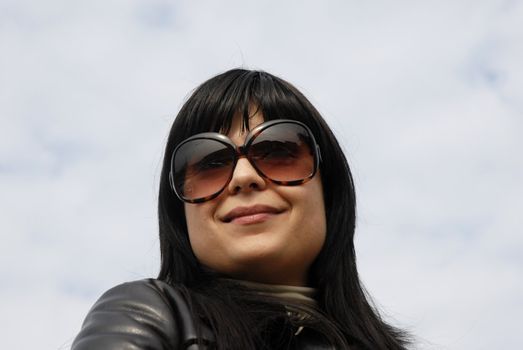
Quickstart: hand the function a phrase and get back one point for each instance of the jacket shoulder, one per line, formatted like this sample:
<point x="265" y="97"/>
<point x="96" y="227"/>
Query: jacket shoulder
<point x="134" y="315"/>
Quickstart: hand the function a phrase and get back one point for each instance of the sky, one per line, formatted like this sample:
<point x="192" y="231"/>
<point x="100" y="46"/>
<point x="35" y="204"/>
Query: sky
<point x="426" y="98"/>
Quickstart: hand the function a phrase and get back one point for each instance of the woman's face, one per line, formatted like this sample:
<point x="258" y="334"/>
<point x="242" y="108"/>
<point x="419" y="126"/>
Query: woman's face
<point x="278" y="243"/>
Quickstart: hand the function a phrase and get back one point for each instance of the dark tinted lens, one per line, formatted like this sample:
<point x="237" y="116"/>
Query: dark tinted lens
<point x="202" y="167"/>
<point x="283" y="152"/>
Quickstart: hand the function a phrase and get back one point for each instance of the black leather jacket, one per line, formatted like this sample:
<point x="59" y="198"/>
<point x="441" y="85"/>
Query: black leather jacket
<point x="150" y="314"/>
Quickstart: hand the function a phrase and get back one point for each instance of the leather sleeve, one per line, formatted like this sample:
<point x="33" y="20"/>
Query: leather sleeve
<point x="134" y="315"/>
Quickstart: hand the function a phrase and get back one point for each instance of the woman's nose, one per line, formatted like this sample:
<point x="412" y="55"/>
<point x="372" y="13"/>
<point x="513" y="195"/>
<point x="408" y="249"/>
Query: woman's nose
<point x="245" y="178"/>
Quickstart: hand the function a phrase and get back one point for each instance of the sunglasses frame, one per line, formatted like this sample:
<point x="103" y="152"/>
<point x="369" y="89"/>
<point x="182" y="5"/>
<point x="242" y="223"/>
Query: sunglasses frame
<point x="242" y="152"/>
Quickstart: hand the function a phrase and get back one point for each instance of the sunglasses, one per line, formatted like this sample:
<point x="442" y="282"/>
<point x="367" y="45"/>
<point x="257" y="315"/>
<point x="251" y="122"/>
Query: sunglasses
<point x="282" y="151"/>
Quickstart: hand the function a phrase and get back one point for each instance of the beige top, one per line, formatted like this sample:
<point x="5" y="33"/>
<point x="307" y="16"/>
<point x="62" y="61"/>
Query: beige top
<point x="303" y="295"/>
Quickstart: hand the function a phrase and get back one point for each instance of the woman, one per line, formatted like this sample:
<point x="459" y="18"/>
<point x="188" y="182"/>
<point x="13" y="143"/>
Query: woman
<point x="257" y="218"/>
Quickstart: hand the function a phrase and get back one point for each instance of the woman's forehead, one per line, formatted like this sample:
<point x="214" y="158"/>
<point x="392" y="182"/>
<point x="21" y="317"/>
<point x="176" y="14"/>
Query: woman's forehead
<point x="238" y="131"/>
<point x="244" y="120"/>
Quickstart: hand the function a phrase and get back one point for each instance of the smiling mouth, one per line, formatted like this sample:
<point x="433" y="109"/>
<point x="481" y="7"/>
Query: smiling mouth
<point x="251" y="215"/>
<point x="252" y="219"/>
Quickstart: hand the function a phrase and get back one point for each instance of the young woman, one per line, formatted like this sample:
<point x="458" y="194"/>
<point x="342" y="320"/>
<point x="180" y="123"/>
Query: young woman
<point x="257" y="218"/>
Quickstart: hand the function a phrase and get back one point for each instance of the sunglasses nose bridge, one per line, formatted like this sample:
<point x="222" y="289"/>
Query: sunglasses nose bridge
<point x="241" y="152"/>
<point x="245" y="175"/>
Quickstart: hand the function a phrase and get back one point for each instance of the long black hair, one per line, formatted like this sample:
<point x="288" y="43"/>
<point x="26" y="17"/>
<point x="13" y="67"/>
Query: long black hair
<point x="343" y="304"/>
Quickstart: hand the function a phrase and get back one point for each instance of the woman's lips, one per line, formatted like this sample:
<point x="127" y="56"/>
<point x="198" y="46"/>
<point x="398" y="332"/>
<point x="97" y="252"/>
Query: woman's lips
<point x="251" y="219"/>
<point x="250" y="215"/>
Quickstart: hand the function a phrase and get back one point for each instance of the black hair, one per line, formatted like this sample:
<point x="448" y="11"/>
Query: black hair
<point x="344" y="308"/>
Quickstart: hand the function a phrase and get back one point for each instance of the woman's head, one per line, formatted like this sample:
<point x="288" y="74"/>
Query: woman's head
<point x="310" y="226"/>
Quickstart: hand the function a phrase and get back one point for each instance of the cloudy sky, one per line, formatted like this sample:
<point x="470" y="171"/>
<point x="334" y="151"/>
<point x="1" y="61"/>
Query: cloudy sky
<point x="425" y="96"/>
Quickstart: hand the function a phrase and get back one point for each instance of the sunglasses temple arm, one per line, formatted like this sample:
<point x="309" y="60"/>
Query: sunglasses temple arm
<point x="319" y="153"/>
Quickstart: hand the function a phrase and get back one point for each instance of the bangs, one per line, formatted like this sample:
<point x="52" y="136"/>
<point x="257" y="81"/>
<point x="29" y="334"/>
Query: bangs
<point x="216" y="102"/>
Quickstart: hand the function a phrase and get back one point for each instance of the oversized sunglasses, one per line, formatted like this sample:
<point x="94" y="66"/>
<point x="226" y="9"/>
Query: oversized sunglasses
<point x="282" y="151"/>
